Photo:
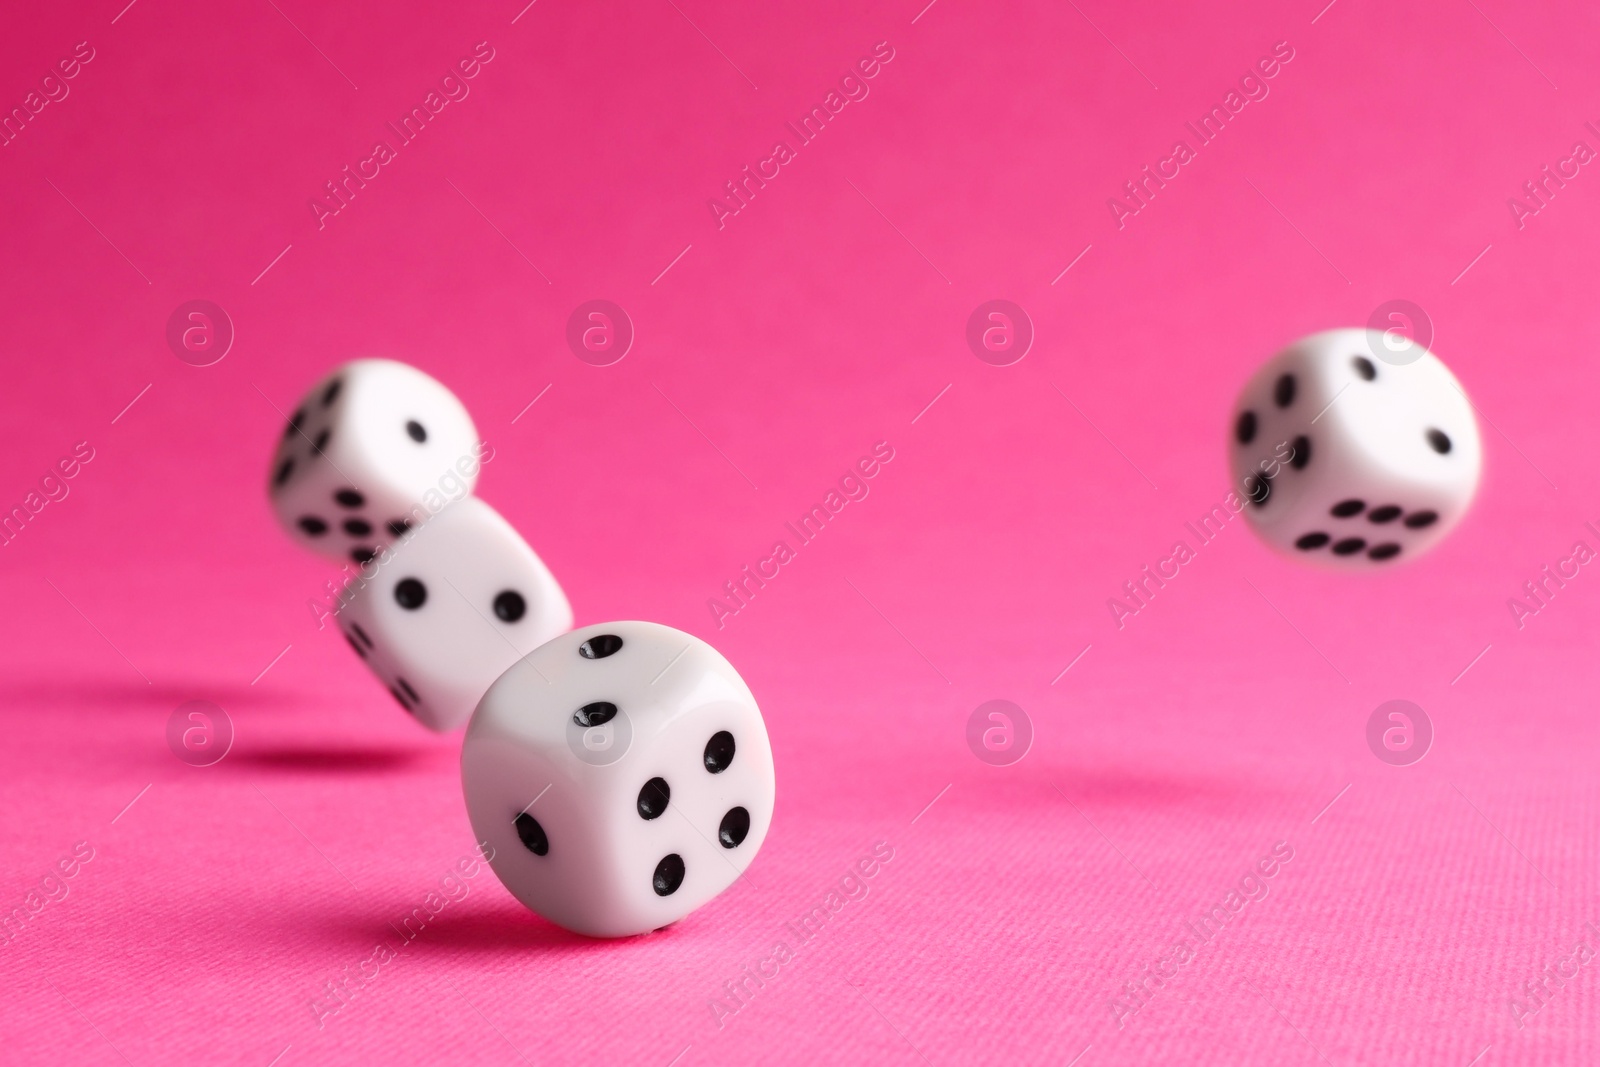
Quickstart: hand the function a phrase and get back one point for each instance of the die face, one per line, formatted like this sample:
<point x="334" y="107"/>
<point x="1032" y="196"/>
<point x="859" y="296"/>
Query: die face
<point x="453" y="605"/>
<point x="363" y="451"/>
<point x="640" y="825"/>
<point x="1350" y="461"/>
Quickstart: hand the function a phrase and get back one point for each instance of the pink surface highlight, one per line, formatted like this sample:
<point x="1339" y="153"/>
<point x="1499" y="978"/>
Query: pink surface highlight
<point x="1170" y="756"/>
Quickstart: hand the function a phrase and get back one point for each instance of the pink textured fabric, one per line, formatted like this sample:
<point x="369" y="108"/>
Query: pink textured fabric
<point x="245" y="912"/>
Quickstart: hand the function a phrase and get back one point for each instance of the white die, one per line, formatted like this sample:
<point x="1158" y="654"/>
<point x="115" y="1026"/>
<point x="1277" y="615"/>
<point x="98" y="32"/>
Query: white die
<point x="1349" y="460"/>
<point x="373" y="449"/>
<point x="622" y="776"/>
<point x="454" y="604"/>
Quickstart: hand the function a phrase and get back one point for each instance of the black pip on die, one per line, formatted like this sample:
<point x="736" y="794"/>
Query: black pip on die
<point x="620" y="777"/>
<point x="455" y="603"/>
<point x="373" y="449"/>
<point x="1351" y="460"/>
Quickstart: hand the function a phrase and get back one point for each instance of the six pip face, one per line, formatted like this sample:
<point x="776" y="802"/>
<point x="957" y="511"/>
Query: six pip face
<point x="621" y="775"/>
<point x="371" y="450"/>
<point x="1349" y="461"/>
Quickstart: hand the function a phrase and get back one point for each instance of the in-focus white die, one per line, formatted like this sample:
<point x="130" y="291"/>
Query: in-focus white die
<point x="373" y="449"/>
<point x="621" y="774"/>
<point x="1353" y="461"/>
<point x="454" y="604"/>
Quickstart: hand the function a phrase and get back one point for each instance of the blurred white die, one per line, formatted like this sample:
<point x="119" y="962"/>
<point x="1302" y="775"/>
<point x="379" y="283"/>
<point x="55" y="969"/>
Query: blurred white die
<point x="454" y="604"/>
<point x="622" y="775"/>
<point x="374" y="448"/>
<point x="1351" y="460"/>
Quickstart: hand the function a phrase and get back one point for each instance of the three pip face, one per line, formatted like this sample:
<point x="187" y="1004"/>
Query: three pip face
<point x="1352" y="461"/>
<point x="621" y="773"/>
<point x="361" y="454"/>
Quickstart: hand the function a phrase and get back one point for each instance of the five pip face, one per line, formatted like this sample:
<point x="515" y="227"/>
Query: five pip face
<point x="1351" y="461"/>
<point x="622" y="775"/>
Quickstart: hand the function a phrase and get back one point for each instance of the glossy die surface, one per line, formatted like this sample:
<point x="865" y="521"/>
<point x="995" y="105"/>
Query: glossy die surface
<point x="622" y="775"/>
<point x="451" y="606"/>
<point x="1348" y="460"/>
<point x="372" y="450"/>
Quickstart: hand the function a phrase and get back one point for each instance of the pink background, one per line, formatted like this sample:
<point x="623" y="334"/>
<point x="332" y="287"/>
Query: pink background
<point x="821" y="319"/>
